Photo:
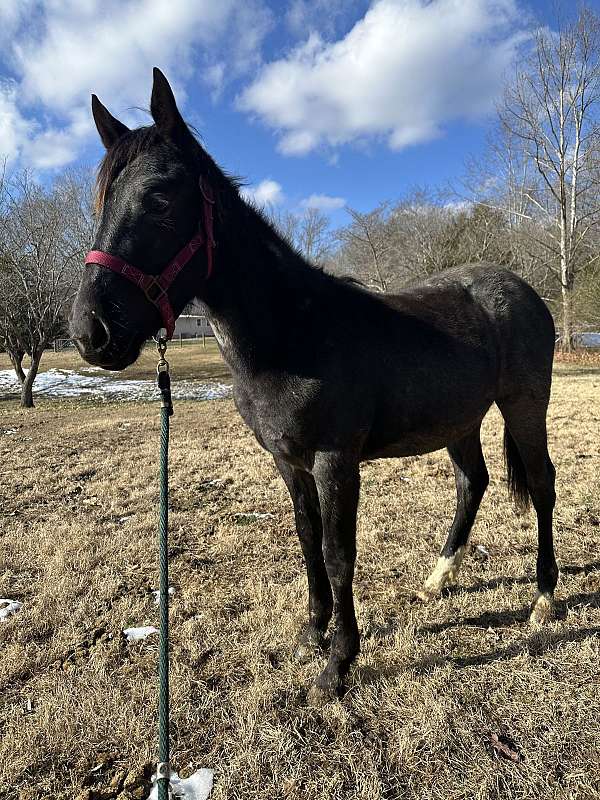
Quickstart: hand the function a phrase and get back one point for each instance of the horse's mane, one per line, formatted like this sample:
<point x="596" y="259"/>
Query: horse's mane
<point x="127" y="148"/>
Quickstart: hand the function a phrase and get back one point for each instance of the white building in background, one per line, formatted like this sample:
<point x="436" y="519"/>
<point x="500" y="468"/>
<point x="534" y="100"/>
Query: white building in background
<point x="588" y="339"/>
<point x="193" y="322"/>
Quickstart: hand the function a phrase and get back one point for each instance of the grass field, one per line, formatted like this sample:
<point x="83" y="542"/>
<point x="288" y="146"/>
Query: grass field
<point x="459" y="698"/>
<point x="191" y="361"/>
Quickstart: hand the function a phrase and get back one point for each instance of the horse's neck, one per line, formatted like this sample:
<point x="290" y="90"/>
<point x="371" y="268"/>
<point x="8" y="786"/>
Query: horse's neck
<point x="250" y="301"/>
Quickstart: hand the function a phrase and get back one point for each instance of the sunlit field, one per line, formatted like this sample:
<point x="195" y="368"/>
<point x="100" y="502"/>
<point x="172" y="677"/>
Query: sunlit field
<point x="458" y="698"/>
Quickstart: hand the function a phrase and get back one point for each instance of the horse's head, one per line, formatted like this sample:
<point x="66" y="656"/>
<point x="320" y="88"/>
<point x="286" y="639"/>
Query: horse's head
<point x="150" y="205"/>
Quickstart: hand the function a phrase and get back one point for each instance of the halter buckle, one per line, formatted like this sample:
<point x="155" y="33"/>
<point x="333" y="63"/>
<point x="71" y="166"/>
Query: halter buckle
<point x="154" y="291"/>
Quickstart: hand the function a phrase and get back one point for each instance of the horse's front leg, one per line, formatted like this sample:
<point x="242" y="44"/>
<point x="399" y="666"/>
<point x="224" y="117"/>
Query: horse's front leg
<point x="337" y="479"/>
<point x="303" y="491"/>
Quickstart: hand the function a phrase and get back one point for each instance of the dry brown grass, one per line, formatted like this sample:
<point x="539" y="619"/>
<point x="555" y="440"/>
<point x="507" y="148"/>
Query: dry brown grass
<point x="432" y="684"/>
<point x="589" y="357"/>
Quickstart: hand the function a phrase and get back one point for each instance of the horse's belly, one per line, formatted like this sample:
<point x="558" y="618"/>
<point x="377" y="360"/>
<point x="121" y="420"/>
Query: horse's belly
<point x="416" y="443"/>
<point x="395" y="434"/>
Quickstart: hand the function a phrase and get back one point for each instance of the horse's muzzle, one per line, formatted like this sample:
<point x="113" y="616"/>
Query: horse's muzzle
<point x="91" y="336"/>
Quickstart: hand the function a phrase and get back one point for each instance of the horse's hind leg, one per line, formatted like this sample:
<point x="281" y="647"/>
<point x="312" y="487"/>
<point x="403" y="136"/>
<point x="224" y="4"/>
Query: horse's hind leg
<point x="472" y="479"/>
<point x="531" y="472"/>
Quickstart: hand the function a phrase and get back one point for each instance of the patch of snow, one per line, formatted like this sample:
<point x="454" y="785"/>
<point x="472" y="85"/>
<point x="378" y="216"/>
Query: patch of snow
<point x="139" y="634"/>
<point x="9" y="431"/>
<point x="69" y="383"/>
<point x="8" y="608"/>
<point x="197" y="787"/>
<point x="156" y="594"/>
<point x="254" y="515"/>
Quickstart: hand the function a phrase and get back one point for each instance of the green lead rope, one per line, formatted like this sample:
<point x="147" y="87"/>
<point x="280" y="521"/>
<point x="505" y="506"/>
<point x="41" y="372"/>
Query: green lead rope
<point x="166" y="411"/>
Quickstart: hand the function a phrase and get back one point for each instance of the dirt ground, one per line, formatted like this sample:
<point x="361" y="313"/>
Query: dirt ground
<point x="459" y="698"/>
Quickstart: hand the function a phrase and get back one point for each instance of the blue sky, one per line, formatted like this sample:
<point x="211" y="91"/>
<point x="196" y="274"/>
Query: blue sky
<point x="326" y="103"/>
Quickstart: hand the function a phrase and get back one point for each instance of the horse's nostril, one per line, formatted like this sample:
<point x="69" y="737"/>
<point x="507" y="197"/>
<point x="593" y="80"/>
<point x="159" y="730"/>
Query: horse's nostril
<point x="99" y="334"/>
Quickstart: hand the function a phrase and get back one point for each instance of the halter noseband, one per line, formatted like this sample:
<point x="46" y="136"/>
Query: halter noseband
<point x="156" y="287"/>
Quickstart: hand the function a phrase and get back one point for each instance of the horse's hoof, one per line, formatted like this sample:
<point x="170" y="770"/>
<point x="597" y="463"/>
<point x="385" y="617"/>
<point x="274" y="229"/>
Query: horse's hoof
<point x="323" y="692"/>
<point x="425" y="595"/>
<point x="305" y="652"/>
<point x="444" y="574"/>
<point x="542" y="609"/>
<point x="310" y="645"/>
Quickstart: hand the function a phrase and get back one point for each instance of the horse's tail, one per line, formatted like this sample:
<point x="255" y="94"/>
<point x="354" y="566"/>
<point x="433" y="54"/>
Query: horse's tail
<point x="515" y="472"/>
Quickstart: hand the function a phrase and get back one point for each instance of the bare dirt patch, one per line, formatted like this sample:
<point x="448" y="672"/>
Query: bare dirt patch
<point x="456" y="699"/>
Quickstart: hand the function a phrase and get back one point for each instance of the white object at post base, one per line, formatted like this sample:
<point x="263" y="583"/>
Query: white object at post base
<point x="9" y="607"/>
<point x="139" y="634"/>
<point x="197" y="787"/>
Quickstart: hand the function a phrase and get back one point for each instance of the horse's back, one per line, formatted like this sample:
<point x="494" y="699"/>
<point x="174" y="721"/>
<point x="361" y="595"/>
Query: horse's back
<point x="522" y="324"/>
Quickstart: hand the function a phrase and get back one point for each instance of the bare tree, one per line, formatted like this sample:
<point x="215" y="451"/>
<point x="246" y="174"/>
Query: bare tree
<point x="505" y="186"/>
<point x="420" y="230"/>
<point x="309" y="232"/>
<point x="285" y="223"/>
<point x="45" y="234"/>
<point x="366" y="242"/>
<point x="418" y="236"/>
<point x="313" y="237"/>
<point x="551" y="110"/>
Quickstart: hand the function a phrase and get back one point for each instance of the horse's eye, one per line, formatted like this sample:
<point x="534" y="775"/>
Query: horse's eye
<point x="156" y="204"/>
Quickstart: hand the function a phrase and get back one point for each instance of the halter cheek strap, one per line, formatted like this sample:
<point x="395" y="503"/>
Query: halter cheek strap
<point x="156" y="287"/>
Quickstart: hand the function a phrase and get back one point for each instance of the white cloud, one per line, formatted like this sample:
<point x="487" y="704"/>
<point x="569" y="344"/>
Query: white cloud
<point x="326" y="16"/>
<point x="61" y="66"/>
<point x="12" y="12"/>
<point x="14" y="129"/>
<point x="402" y="72"/>
<point x="50" y="149"/>
<point x="62" y="51"/>
<point x="323" y="202"/>
<point x="266" y="193"/>
<point x="215" y="76"/>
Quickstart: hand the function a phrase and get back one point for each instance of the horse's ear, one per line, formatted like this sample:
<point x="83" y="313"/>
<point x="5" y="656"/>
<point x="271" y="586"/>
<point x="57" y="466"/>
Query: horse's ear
<point x="109" y="128"/>
<point x="164" y="108"/>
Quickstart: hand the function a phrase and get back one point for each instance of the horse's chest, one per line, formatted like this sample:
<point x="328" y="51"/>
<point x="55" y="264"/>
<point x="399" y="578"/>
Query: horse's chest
<point x="275" y="426"/>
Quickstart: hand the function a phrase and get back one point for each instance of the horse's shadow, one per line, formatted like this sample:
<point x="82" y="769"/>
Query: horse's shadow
<point x="506" y="617"/>
<point x="506" y="580"/>
<point x="536" y="643"/>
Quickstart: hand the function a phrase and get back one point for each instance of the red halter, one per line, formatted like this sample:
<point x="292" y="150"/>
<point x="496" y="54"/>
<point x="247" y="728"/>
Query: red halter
<point x="156" y="287"/>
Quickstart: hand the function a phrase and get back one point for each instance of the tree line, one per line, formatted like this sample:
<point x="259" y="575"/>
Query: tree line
<point x="531" y="203"/>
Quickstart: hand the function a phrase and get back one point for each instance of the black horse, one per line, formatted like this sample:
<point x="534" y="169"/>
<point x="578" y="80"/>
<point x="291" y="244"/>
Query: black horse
<point x="428" y="365"/>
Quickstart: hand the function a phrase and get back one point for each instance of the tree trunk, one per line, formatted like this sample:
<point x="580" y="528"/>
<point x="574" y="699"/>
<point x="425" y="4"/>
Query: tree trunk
<point x="16" y="359"/>
<point x="382" y="283"/>
<point x="566" y="341"/>
<point x="566" y="282"/>
<point x="27" y="385"/>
